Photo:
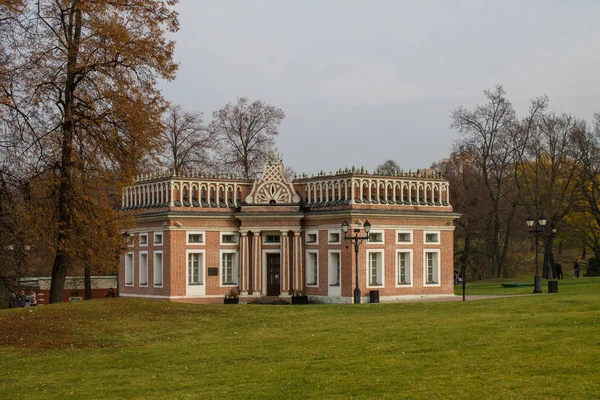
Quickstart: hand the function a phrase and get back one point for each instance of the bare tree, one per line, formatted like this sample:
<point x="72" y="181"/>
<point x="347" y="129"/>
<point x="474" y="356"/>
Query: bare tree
<point x="495" y="141"/>
<point x="245" y="134"/>
<point x="187" y="141"/>
<point x="390" y="167"/>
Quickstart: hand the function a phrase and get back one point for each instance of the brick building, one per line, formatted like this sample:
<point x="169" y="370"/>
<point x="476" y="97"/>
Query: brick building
<point x="198" y="237"/>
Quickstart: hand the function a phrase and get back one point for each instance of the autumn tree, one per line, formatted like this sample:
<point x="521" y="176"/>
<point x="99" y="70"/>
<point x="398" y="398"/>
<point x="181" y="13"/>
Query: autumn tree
<point x="245" y="134"/>
<point x="85" y="101"/>
<point x="550" y="176"/>
<point x="586" y="153"/>
<point x="188" y="142"/>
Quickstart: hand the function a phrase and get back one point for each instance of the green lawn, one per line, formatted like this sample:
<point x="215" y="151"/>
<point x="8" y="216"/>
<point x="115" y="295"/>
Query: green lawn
<point x="519" y="347"/>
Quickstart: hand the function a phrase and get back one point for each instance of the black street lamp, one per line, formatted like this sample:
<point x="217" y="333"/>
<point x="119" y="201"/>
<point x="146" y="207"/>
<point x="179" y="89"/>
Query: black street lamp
<point x="536" y="227"/>
<point x="356" y="240"/>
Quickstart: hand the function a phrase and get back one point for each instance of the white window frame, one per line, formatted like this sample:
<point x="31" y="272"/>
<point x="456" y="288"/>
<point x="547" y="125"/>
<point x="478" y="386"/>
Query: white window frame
<point x="306" y="236"/>
<point x="156" y="273"/>
<point x="236" y="239"/>
<point x="267" y="234"/>
<point x="162" y="238"/>
<point x="310" y="268"/>
<point x="425" y="233"/>
<point x="439" y="268"/>
<point x="187" y="238"/>
<point x="377" y="231"/>
<point x="337" y="232"/>
<point x="333" y="270"/>
<point x="201" y="268"/>
<point x="144" y="234"/>
<point x="409" y="268"/>
<point x="235" y="268"/>
<point x="143" y="268"/>
<point x="381" y="268"/>
<point x="129" y="269"/>
<point x="399" y="231"/>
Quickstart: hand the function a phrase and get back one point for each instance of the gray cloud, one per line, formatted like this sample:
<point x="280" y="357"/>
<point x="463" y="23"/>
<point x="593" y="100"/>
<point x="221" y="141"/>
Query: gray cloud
<point x="366" y="81"/>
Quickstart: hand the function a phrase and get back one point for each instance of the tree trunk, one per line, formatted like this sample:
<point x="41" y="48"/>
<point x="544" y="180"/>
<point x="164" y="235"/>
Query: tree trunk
<point x="88" y="282"/>
<point x="62" y="260"/>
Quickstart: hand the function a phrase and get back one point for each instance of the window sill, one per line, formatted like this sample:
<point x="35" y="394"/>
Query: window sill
<point x="334" y="284"/>
<point x="375" y="285"/>
<point x="404" y="283"/>
<point x="228" y="284"/>
<point x="129" y="284"/>
<point x="158" y="286"/>
<point x="143" y="285"/>
<point x="195" y="284"/>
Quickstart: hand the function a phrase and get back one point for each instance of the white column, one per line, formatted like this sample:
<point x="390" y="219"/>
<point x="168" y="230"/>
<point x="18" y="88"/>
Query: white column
<point x="284" y="267"/>
<point x="257" y="251"/>
<point x="244" y="262"/>
<point x="297" y="259"/>
<point x="170" y="193"/>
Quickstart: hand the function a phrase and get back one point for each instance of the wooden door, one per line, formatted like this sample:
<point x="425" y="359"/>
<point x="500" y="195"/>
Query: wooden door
<point x="273" y="275"/>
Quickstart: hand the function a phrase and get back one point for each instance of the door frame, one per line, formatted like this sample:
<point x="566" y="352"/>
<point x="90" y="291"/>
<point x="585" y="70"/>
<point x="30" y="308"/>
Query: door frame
<point x="264" y="270"/>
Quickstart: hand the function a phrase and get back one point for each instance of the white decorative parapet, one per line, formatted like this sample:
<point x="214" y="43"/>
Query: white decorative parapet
<point x="344" y="187"/>
<point x="376" y="189"/>
<point x="189" y="191"/>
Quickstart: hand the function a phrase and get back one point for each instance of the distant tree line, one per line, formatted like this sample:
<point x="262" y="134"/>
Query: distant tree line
<point x="504" y="169"/>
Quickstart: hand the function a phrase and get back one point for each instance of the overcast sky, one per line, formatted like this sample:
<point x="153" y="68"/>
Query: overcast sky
<point x="366" y="81"/>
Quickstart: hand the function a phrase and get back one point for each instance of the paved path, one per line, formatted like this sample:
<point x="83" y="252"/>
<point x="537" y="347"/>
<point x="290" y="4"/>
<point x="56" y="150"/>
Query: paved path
<point x="440" y="299"/>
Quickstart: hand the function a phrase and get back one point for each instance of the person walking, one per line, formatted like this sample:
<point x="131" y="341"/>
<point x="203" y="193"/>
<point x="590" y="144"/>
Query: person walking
<point x="576" y="269"/>
<point x="559" y="270"/>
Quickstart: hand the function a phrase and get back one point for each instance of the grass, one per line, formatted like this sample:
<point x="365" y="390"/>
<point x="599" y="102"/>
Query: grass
<point x="519" y="347"/>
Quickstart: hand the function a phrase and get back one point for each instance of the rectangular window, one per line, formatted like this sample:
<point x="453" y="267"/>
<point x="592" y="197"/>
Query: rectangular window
<point x="195" y="238"/>
<point x="334" y="268"/>
<point x="229" y="268"/>
<point x="432" y="237"/>
<point x="272" y="238"/>
<point x="129" y="269"/>
<point x="334" y="237"/>
<point x="404" y="237"/>
<point x="158" y="238"/>
<point x="229" y="238"/>
<point x="432" y="268"/>
<point x="376" y="237"/>
<point x="143" y="239"/>
<point x="195" y="268"/>
<point x="158" y="268"/>
<point x="404" y="268"/>
<point x="375" y="268"/>
<point x="312" y="268"/>
<point x="312" y="237"/>
<point x="143" y="268"/>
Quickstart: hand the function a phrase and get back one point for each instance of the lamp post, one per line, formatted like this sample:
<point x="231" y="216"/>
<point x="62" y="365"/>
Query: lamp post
<point x="536" y="227"/>
<point x="356" y="240"/>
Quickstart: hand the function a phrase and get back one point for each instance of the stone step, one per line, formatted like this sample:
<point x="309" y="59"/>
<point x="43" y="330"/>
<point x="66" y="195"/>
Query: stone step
<point x="273" y="300"/>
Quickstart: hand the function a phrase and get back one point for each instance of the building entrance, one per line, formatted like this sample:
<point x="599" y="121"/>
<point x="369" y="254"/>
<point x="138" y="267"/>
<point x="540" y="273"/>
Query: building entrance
<point x="273" y="275"/>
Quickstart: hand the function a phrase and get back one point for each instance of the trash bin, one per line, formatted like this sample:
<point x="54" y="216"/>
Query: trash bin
<point x="374" y="296"/>
<point x="552" y="286"/>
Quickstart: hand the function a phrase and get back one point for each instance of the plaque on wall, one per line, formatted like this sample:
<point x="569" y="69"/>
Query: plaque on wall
<point x="213" y="272"/>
